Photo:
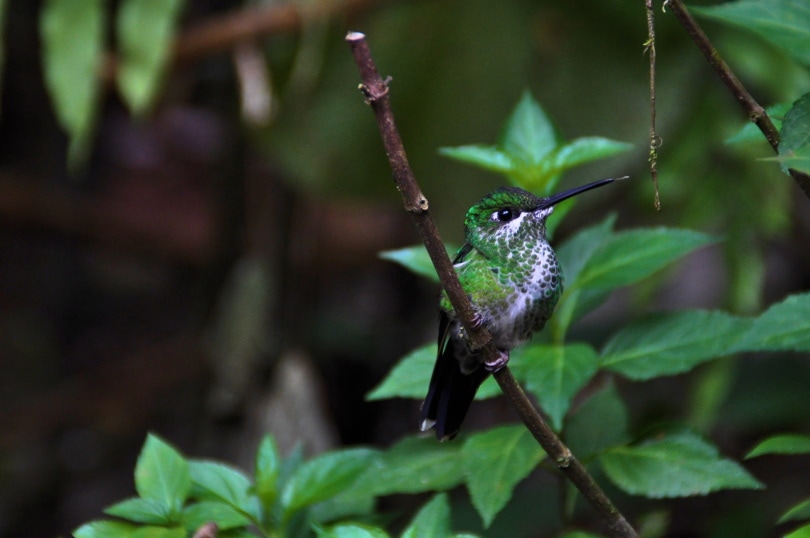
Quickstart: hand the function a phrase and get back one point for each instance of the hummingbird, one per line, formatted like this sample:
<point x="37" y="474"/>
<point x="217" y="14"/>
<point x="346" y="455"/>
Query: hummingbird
<point x="513" y="280"/>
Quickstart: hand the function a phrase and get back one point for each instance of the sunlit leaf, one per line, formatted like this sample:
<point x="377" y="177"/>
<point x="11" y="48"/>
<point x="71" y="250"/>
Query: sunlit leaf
<point x="105" y="529"/>
<point x="485" y="157"/>
<point x="162" y="474"/>
<point x="141" y="510"/>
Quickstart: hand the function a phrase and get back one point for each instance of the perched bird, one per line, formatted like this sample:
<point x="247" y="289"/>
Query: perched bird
<point x="513" y="280"/>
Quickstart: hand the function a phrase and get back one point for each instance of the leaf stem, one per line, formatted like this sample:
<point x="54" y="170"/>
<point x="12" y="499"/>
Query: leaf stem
<point x="375" y="92"/>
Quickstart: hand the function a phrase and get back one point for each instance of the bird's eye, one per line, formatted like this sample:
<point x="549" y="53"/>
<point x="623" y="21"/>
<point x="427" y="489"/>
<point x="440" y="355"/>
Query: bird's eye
<point x="505" y="215"/>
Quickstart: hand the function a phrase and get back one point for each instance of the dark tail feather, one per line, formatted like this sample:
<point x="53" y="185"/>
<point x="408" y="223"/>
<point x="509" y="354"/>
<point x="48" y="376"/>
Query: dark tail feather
<point x="449" y="396"/>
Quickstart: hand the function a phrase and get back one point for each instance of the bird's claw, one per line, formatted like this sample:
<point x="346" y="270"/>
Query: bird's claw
<point x="476" y="321"/>
<point x="497" y="363"/>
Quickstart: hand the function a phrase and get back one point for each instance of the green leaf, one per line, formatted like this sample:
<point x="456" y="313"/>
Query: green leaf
<point x="484" y="157"/>
<point x="268" y="464"/>
<point x="144" y="30"/>
<point x="672" y="343"/>
<point x="105" y="529"/>
<point x="555" y="374"/>
<point x="432" y="520"/>
<point x="581" y="151"/>
<point x="576" y="251"/>
<point x="415" y="259"/>
<point x="529" y="134"/>
<point x="162" y="475"/>
<point x="751" y="133"/>
<point x="801" y="532"/>
<point x="72" y="33"/>
<point x="794" y="149"/>
<point x="796" y="513"/>
<point x="141" y="510"/>
<point x="677" y="465"/>
<point x="214" y="481"/>
<point x="159" y="532"/>
<point x="409" y="378"/>
<point x="413" y="465"/>
<point x="630" y="256"/>
<point x="781" y="444"/>
<point x="785" y="23"/>
<point x="224" y="515"/>
<point x="324" y="477"/>
<point x="599" y="424"/>
<point x="494" y="462"/>
<point x="784" y="326"/>
<point x="351" y="530"/>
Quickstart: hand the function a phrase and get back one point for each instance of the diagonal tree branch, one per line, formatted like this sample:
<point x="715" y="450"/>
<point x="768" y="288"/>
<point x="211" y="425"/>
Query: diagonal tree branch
<point x="375" y="91"/>
<point x="754" y="110"/>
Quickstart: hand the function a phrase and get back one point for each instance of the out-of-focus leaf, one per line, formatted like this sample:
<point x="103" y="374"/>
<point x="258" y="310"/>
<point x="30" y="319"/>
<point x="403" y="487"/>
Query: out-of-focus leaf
<point x="796" y="513"/>
<point x="162" y="475"/>
<point x="581" y="151"/>
<point x="781" y="444"/>
<point x="139" y="510"/>
<point x="72" y="45"/>
<point x="599" y="424"/>
<point x="415" y="259"/>
<point x="105" y="529"/>
<point x="159" y="532"/>
<point x="784" y="326"/>
<point x="801" y="532"/>
<point x="751" y="133"/>
<point x="413" y="465"/>
<point x="216" y="481"/>
<point x="351" y="530"/>
<point x="409" y="378"/>
<point x="486" y="157"/>
<point x="678" y="465"/>
<point x="144" y="29"/>
<point x="432" y="520"/>
<point x="494" y="462"/>
<point x="554" y="374"/>
<point x="785" y="23"/>
<point x="528" y="134"/>
<point x="672" y="343"/>
<point x="268" y="464"/>
<point x="224" y="515"/>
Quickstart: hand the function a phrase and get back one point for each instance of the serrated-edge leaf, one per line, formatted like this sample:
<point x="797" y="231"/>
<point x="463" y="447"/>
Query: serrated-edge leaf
<point x="485" y="157"/>
<point x="554" y="374"/>
<point x="144" y="31"/>
<point x="433" y="519"/>
<point x="414" y="465"/>
<point x="672" y="343"/>
<point x="785" y="326"/>
<point x="494" y="462"/>
<point x="141" y="510"/>
<point x="105" y="528"/>
<point x="162" y="474"/>
<point x="268" y="463"/>
<point x="787" y="443"/>
<point x="223" y="514"/>
<point x="678" y="465"/>
<point x="797" y="512"/>
<point x="324" y="477"/>
<point x="633" y="255"/>
<point x="795" y="134"/>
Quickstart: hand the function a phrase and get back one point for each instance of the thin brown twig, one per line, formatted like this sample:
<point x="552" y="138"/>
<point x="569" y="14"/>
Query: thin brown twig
<point x="375" y="91"/>
<point x="755" y="111"/>
<point x="655" y="140"/>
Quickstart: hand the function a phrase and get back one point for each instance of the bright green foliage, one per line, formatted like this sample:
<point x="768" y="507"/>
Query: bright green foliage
<point x="509" y="454"/>
<point x="554" y="374"/>
<point x="407" y="378"/>
<point x="104" y="529"/>
<point x="801" y="532"/>
<point x="672" y="343"/>
<point x="415" y="259"/>
<point x="531" y="153"/>
<point x="751" y="133"/>
<point x="72" y="44"/>
<point x="432" y="520"/>
<point x="351" y="530"/>
<point x="781" y="444"/>
<point x="144" y="29"/>
<point x="677" y="465"/>
<point x="798" y="512"/>
<point x="162" y="476"/>
<point x="785" y="23"/>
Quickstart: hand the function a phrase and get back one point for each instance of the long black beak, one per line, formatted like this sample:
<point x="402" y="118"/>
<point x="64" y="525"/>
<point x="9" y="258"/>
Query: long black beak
<point x="564" y="195"/>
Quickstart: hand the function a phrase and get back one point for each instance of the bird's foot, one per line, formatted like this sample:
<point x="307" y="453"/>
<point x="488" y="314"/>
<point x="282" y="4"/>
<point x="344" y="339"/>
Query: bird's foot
<point x="498" y="363"/>
<point x="476" y="321"/>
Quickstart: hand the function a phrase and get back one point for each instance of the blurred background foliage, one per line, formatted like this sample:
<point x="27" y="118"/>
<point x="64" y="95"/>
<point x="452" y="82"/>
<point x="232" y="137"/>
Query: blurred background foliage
<point x="200" y="259"/>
